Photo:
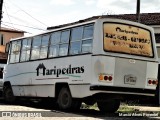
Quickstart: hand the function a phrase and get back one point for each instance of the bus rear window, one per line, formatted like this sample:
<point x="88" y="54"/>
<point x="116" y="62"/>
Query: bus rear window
<point x="128" y="39"/>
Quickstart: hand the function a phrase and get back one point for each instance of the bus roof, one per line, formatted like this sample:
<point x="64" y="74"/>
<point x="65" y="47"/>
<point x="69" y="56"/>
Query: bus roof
<point x="74" y="24"/>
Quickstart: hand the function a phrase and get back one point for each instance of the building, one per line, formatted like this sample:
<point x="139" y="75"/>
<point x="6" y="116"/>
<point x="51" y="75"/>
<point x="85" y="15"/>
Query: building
<point x="5" y="35"/>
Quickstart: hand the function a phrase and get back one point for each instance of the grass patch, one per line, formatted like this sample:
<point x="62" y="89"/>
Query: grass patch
<point x="85" y="106"/>
<point x="125" y="108"/>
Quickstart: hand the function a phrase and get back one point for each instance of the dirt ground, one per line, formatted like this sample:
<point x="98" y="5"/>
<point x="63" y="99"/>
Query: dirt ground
<point x="24" y="112"/>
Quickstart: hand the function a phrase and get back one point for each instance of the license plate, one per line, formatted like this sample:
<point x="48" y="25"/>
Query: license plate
<point x="130" y="79"/>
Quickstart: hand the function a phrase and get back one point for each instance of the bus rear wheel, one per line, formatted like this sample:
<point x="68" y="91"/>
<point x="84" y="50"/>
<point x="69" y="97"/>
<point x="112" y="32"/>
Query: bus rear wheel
<point x="65" y="100"/>
<point x="8" y="95"/>
<point x="108" y="106"/>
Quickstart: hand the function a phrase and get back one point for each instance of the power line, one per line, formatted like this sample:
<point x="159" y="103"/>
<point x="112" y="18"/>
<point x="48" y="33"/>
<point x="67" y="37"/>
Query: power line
<point x="22" y="21"/>
<point x="1" y="5"/>
<point x="8" y="15"/>
<point x="28" y="14"/>
<point x="15" y="29"/>
<point x="24" y="26"/>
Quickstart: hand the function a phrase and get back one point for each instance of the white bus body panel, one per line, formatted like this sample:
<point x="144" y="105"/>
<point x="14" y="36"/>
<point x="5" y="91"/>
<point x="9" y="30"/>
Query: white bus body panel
<point x="25" y="82"/>
<point x="118" y="68"/>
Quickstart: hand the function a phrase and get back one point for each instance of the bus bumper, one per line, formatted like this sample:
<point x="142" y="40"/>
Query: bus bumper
<point x="123" y="90"/>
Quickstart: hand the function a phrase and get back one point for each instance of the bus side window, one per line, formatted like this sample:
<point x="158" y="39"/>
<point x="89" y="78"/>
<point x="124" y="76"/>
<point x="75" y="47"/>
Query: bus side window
<point x="88" y="32"/>
<point x="36" y="43"/>
<point x="53" y="50"/>
<point x="87" y="39"/>
<point x="44" y="46"/>
<point x="63" y="48"/>
<point x="87" y="46"/>
<point x="75" y="48"/>
<point x="76" y="37"/>
<point x="81" y="40"/>
<point x="54" y="44"/>
<point x="25" y="51"/>
<point x="15" y="51"/>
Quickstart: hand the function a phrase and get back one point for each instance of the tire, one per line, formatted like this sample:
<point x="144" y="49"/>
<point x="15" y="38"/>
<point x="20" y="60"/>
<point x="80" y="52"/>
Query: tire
<point x="64" y="99"/>
<point x="8" y="95"/>
<point x="109" y="106"/>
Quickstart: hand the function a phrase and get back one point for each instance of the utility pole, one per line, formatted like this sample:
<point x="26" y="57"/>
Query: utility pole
<point x="1" y="6"/>
<point x="138" y="11"/>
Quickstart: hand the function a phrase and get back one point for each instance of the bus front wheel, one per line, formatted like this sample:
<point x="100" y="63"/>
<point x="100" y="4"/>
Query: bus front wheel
<point x="8" y="95"/>
<point x="109" y="106"/>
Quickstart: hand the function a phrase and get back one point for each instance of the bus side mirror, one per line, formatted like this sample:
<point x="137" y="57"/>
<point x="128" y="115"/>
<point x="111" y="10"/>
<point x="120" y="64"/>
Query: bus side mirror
<point x="7" y="48"/>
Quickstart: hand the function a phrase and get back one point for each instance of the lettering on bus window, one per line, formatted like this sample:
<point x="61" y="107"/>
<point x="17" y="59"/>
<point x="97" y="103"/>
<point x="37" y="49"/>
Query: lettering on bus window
<point x="15" y="51"/>
<point x="127" y="39"/>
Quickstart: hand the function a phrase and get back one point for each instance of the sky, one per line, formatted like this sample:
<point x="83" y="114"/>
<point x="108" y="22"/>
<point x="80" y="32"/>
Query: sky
<point x="34" y="16"/>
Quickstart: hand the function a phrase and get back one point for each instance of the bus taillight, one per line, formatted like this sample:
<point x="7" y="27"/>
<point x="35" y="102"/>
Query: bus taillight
<point x="152" y="82"/>
<point x="156" y="82"/>
<point x="101" y="77"/>
<point x="149" y="81"/>
<point x="106" y="78"/>
<point x="110" y="78"/>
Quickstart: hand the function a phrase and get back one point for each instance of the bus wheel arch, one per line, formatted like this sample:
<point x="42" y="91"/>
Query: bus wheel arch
<point x="58" y="87"/>
<point x="8" y="93"/>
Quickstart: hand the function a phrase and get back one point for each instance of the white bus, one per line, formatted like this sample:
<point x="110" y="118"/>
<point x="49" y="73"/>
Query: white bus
<point x="101" y="60"/>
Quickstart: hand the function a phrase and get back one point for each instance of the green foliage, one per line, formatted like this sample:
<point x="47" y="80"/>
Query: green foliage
<point x="126" y="108"/>
<point x="85" y="106"/>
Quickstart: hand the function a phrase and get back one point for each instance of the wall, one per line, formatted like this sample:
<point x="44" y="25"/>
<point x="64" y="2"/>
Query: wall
<point x="7" y="36"/>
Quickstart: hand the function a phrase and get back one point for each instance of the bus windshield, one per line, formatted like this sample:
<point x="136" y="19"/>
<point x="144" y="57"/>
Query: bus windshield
<point x="128" y="39"/>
